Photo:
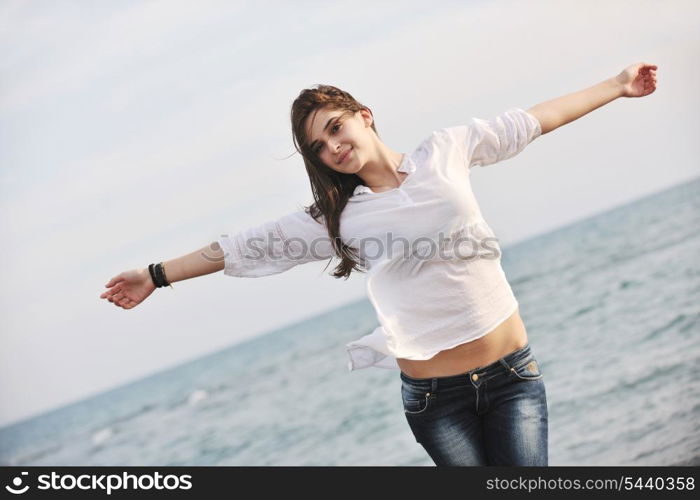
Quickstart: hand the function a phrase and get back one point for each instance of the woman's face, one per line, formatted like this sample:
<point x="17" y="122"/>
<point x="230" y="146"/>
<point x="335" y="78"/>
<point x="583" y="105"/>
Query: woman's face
<point x="340" y="138"/>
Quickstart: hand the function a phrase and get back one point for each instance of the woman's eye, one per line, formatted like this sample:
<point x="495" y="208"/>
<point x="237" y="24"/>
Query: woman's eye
<point x="334" y="129"/>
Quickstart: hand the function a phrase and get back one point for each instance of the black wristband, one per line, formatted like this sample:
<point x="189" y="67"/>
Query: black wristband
<point x="158" y="276"/>
<point x="161" y="274"/>
<point x="165" y="278"/>
<point x="151" y="270"/>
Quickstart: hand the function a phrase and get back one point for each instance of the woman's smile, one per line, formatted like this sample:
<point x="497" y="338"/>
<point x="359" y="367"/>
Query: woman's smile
<point x="345" y="155"/>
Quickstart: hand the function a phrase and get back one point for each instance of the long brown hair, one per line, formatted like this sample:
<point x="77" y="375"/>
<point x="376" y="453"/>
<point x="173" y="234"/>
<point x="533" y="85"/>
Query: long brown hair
<point x="331" y="189"/>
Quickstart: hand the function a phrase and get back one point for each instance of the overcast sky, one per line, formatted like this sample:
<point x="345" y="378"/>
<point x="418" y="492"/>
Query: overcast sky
<point x="137" y="132"/>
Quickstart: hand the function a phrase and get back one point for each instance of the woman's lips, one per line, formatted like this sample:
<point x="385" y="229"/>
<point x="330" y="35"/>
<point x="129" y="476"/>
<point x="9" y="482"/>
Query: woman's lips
<point x="345" y="155"/>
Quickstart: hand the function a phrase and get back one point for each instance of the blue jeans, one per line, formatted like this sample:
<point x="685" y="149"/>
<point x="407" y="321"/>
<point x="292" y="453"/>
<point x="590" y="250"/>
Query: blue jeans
<point x="492" y="415"/>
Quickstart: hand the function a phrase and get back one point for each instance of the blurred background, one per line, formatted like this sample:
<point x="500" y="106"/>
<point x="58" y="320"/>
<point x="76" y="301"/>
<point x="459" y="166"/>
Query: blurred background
<point x="138" y="131"/>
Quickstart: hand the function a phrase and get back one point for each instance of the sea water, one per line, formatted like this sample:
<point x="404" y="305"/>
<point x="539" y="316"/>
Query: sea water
<point x="612" y="309"/>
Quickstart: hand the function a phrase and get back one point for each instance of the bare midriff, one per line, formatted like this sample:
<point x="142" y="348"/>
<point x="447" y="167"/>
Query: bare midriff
<point x="507" y="337"/>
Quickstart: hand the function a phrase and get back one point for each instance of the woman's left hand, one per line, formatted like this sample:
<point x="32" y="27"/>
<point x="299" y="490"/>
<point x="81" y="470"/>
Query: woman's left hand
<point x="637" y="80"/>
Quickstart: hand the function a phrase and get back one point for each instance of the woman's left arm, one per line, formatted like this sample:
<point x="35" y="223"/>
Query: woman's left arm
<point x="637" y="80"/>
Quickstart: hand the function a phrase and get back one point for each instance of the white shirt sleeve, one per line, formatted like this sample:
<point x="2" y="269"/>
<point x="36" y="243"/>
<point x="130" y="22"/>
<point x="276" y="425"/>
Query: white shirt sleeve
<point x="276" y="246"/>
<point x="484" y="142"/>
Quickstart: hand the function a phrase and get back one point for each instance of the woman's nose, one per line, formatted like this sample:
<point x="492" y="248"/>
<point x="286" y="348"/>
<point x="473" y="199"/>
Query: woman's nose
<point x="335" y="146"/>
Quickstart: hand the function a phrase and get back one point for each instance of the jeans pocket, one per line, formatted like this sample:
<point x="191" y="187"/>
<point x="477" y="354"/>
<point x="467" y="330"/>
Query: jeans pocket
<point x="527" y="369"/>
<point x="416" y="402"/>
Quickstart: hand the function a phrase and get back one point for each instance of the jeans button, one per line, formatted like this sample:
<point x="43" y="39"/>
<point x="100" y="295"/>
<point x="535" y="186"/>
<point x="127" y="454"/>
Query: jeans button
<point x="475" y="377"/>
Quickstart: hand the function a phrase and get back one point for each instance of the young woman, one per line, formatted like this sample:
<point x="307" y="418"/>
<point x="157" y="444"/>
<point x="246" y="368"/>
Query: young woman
<point x="472" y="389"/>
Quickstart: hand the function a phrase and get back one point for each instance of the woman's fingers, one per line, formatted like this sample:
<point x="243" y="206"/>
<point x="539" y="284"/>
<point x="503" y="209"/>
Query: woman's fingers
<point x="121" y="291"/>
<point x="121" y="301"/>
<point x="114" y="281"/>
<point x="647" y="70"/>
<point x="109" y="294"/>
<point x="127" y="303"/>
<point x="118" y="297"/>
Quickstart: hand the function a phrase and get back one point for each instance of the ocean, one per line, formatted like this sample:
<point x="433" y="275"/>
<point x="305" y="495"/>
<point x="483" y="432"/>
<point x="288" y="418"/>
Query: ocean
<point x="612" y="309"/>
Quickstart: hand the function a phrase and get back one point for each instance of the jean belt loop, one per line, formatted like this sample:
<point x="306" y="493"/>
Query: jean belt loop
<point x="433" y="385"/>
<point x="505" y="365"/>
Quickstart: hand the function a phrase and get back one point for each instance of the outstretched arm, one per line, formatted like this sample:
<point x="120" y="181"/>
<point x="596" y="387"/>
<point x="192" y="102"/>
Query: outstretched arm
<point x="637" y="80"/>
<point x="129" y="288"/>
<point x="206" y="260"/>
<point x="269" y="248"/>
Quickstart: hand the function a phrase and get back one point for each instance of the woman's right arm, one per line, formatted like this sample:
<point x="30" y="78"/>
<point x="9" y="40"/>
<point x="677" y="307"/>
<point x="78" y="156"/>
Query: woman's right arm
<point x="129" y="288"/>
<point x="269" y="248"/>
<point x="206" y="260"/>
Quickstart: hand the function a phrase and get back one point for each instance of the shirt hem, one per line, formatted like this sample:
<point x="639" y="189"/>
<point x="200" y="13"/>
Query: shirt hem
<point x="380" y="361"/>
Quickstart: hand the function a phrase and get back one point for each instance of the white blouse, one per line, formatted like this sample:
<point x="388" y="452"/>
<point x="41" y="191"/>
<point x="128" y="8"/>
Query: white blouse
<point x="434" y="272"/>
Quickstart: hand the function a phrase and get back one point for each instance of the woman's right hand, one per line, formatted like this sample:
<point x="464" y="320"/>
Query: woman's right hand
<point x="129" y="289"/>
